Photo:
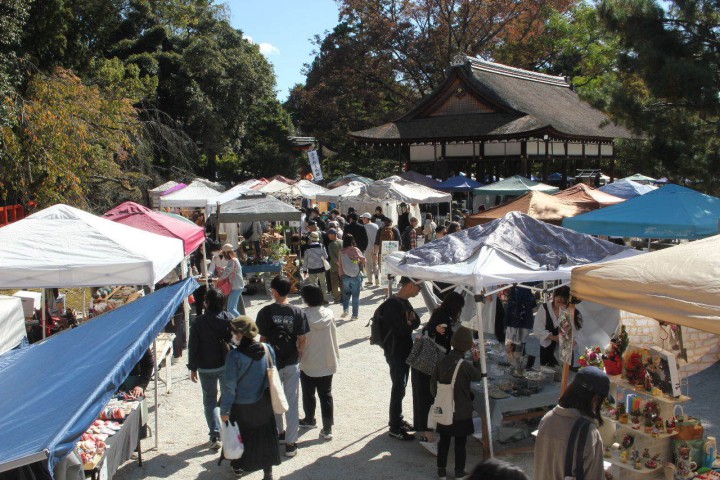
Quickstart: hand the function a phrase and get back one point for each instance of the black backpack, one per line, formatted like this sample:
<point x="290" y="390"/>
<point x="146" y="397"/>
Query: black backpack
<point x="377" y="336"/>
<point x="283" y="342"/>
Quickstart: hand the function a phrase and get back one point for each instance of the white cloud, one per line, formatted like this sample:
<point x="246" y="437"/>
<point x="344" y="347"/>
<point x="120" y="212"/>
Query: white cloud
<point x="249" y="38"/>
<point x="269" y="49"/>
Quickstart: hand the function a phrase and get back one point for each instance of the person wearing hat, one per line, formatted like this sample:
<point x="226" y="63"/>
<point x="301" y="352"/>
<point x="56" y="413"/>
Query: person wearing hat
<point x="246" y="399"/>
<point x="371" y="266"/>
<point x="333" y="248"/>
<point x="233" y="274"/>
<point x="578" y="412"/>
<point x="462" y="424"/>
<point x="315" y="215"/>
<point x="314" y="258"/>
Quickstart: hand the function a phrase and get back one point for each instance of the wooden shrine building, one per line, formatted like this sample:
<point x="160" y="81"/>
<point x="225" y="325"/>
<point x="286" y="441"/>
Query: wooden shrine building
<point x="492" y="119"/>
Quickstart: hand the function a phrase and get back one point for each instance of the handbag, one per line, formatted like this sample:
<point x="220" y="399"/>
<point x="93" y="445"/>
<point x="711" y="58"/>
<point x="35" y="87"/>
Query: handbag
<point x="326" y="264"/>
<point x="277" y="394"/>
<point x="688" y="428"/>
<point x="425" y="354"/>
<point x="232" y="444"/>
<point x="444" y="406"/>
<point x="225" y="284"/>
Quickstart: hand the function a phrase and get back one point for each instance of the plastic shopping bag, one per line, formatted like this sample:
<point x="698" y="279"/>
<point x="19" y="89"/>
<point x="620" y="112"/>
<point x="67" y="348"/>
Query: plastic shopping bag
<point x="231" y="439"/>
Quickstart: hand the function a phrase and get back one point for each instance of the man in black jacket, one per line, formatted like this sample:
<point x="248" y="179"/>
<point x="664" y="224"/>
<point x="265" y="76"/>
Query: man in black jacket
<point x="357" y="231"/>
<point x="398" y="322"/>
<point x="209" y="335"/>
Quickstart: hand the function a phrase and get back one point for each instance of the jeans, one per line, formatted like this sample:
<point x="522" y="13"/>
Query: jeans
<point x="351" y="288"/>
<point x="315" y="277"/>
<point x="444" y="449"/>
<point x="236" y="306"/>
<point x="399" y="371"/>
<point x="290" y="378"/>
<point x="323" y="385"/>
<point x="209" y="384"/>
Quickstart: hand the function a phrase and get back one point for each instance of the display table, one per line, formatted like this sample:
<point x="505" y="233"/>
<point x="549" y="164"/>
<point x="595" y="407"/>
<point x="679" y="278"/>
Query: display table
<point x="165" y="353"/>
<point x="265" y="269"/>
<point x="119" y="447"/>
<point x="513" y="408"/>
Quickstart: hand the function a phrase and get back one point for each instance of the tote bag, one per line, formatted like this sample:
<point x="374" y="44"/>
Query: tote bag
<point x="425" y="354"/>
<point x="444" y="406"/>
<point x="277" y="394"/>
<point x="225" y="284"/>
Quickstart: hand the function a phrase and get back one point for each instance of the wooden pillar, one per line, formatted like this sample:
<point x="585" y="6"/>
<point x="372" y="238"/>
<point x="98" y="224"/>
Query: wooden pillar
<point x="478" y="166"/>
<point x="566" y="160"/>
<point x="547" y="159"/>
<point x="612" y="164"/>
<point x="524" y="159"/>
<point x="443" y="162"/>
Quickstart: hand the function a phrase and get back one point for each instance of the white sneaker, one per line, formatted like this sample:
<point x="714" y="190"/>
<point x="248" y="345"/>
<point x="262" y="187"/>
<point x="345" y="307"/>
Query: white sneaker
<point x="430" y="447"/>
<point x="215" y="444"/>
<point x="354" y="317"/>
<point x="344" y="314"/>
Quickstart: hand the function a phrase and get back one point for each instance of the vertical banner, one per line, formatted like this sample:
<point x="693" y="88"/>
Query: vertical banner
<point x="315" y="164"/>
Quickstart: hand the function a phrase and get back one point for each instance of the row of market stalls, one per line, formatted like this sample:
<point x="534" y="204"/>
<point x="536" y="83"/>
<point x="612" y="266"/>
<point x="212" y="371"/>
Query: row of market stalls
<point x="63" y="247"/>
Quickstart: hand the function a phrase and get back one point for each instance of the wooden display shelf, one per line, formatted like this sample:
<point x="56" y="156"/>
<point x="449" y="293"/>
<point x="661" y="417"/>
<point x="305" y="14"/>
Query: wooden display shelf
<point x="627" y="466"/>
<point x="627" y="427"/>
<point x="624" y="384"/>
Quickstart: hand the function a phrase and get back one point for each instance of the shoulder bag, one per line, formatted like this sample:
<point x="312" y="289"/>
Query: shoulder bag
<point x="444" y="406"/>
<point x="576" y="447"/>
<point x="277" y="394"/>
<point x="425" y="354"/>
<point x="225" y="284"/>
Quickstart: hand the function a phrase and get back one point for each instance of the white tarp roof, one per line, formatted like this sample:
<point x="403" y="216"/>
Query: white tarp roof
<point x="514" y="249"/>
<point x="349" y="189"/>
<point x="227" y="195"/>
<point x="209" y="183"/>
<point x="401" y="190"/>
<point x="165" y="186"/>
<point x="274" y="186"/>
<point x="12" y="323"/>
<point x="63" y="246"/>
<point x="195" y="195"/>
<point x="308" y="189"/>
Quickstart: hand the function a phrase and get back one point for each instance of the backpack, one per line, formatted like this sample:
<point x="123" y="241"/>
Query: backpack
<point x="248" y="232"/>
<point x="283" y="342"/>
<point x="377" y="337"/>
<point x="387" y="234"/>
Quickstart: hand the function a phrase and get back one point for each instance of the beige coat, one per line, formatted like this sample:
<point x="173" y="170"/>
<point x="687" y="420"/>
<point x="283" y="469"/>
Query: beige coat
<point x="552" y="443"/>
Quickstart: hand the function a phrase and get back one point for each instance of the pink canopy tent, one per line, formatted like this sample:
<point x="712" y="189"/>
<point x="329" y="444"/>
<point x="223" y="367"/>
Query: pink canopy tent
<point x="138" y="216"/>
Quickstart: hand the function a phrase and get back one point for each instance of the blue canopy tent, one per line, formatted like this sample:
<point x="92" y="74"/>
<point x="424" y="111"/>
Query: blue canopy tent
<point x="626" y="189"/>
<point x="59" y="389"/>
<point x="669" y="212"/>
<point x="458" y="184"/>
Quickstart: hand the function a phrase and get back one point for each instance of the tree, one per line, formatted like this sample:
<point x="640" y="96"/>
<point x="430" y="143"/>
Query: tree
<point x="13" y="14"/>
<point x="68" y="143"/>
<point x="669" y="86"/>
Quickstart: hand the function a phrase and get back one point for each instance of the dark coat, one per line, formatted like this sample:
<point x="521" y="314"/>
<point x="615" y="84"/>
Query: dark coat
<point x="207" y="332"/>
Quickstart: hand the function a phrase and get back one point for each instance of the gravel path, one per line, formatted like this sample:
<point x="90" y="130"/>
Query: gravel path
<point x="361" y="447"/>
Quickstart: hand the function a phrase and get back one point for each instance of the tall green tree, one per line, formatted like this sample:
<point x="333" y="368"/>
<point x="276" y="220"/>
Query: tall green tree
<point x="13" y="14"/>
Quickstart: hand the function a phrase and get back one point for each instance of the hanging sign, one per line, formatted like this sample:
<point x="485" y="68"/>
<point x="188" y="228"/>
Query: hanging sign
<point x="315" y="164"/>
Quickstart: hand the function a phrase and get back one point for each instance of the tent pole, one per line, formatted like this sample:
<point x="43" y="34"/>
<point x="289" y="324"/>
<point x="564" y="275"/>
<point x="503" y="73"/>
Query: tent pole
<point x="156" y="390"/>
<point x="84" y="294"/>
<point x="204" y="264"/>
<point x="186" y="302"/>
<point x="42" y="312"/>
<point x="487" y="424"/>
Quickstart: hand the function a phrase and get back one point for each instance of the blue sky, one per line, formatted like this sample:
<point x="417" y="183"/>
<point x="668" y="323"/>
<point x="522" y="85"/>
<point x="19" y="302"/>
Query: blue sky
<point x="284" y="29"/>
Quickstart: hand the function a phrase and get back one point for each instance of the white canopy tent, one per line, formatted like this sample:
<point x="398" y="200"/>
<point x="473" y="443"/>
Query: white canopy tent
<point x="303" y="188"/>
<point x="209" y="183"/>
<point x="155" y="193"/>
<point x="335" y="194"/>
<point x="235" y="192"/>
<point x="512" y="250"/>
<point x="12" y="323"/>
<point x="195" y="195"/>
<point x="274" y="186"/>
<point x="63" y="246"/>
<point x="389" y="193"/>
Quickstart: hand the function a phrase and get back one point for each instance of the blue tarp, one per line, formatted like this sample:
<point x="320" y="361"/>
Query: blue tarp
<point x="53" y="391"/>
<point x="458" y="183"/>
<point x="626" y="189"/>
<point x="668" y="212"/>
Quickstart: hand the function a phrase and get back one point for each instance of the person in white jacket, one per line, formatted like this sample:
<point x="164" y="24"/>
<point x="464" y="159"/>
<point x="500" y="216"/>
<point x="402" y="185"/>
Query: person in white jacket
<point x="319" y="361"/>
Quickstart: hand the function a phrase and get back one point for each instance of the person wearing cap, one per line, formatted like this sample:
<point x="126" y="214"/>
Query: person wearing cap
<point x="313" y="264"/>
<point x="371" y="266"/>
<point x="398" y="321"/>
<point x="357" y="231"/>
<point x="233" y="273"/>
<point x="462" y="424"/>
<point x="246" y="400"/>
<point x="333" y="248"/>
<point x="579" y="406"/>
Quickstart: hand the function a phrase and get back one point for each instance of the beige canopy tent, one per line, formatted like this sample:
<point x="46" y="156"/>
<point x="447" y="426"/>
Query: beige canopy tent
<point x="678" y="285"/>
<point x="539" y="205"/>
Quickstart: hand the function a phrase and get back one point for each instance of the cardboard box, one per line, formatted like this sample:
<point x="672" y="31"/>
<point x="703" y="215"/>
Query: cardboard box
<point x="31" y="301"/>
<point x="664" y="371"/>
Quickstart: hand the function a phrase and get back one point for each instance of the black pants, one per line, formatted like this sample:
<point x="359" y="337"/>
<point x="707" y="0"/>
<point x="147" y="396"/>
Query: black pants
<point x="399" y="371"/>
<point x="323" y="386"/>
<point x="444" y="449"/>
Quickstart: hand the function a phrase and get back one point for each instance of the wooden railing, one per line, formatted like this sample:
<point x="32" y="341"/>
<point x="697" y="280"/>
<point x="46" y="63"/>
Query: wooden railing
<point x="10" y="214"/>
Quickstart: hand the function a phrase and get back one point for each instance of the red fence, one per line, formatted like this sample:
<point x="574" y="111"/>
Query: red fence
<point x="11" y="213"/>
